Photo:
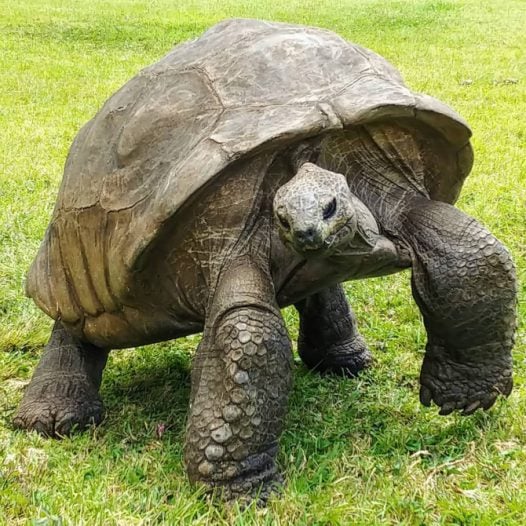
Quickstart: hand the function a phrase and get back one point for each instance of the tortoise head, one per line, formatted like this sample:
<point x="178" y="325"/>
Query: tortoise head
<point x="315" y="211"/>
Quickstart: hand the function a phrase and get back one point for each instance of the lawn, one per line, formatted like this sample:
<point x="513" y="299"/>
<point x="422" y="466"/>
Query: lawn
<point x="353" y="452"/>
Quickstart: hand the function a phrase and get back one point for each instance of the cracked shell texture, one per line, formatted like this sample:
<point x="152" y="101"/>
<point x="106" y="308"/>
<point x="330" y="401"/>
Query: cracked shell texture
<point x="175" y="126"/>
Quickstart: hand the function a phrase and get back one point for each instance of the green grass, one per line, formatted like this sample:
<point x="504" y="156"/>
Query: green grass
<point x="353" y="452"/>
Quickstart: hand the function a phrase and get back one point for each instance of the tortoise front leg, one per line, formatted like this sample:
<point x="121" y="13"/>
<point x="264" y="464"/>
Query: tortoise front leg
<point x="329" y="340"/>
<point x="464" y="283"/>
<point x="241" y="379"/>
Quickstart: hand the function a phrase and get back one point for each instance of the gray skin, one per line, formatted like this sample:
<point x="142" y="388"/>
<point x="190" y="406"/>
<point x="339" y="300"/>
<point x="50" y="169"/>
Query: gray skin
<point x="344" y="178"/>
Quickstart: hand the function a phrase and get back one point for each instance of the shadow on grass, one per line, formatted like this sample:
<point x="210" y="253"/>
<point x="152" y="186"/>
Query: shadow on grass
<point x="367" y="429"/>
<point x="365" y="422"/>
<point x="328" y="417"/>
<point x="148" y="391"/>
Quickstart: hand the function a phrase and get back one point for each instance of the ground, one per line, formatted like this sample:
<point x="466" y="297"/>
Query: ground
<point x="354" y="452"/>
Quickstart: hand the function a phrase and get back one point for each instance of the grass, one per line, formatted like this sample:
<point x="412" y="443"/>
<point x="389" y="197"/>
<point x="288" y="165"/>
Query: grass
<point x="353" y="452"/>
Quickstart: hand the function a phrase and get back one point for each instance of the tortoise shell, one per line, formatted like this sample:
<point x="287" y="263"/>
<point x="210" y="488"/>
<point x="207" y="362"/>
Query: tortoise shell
<point x="243" y="87"/>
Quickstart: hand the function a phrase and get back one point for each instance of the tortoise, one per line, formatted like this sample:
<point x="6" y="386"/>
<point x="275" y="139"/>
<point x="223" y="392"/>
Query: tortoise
<point x="256" y="167"/>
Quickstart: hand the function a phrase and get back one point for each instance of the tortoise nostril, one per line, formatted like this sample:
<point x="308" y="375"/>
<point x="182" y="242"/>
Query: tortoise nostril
<point x="308" y="236"/>
<point x="304" y="234"/>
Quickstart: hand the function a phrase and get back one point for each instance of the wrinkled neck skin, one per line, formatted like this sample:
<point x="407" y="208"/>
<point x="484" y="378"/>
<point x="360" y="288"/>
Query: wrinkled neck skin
<point x="343" y="241"/>
<point x="366" y="236"/>
<point x="368" y="253"/>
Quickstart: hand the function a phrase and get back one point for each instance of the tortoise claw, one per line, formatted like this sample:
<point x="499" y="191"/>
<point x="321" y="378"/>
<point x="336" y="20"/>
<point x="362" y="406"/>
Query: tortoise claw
<point x="425" y="396"/>
<point x="453" y="384"/>
<point x="447" y="408"/>
<point x="471" y="408"/>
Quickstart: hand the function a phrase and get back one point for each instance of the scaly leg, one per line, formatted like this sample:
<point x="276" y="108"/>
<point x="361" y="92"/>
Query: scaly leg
<point x="329" y="340"/>
<point x="464" y="283"/>
<point x="240" y="383"/>
<point x="63" y="392"/>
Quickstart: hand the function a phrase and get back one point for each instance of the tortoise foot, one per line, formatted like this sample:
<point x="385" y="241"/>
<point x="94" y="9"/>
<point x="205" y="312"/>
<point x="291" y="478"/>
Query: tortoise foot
<point x="456" y="384"/>
<point x="56" y="405"/>
<point x="252" y="487"/>
<point x="343" y="358"/>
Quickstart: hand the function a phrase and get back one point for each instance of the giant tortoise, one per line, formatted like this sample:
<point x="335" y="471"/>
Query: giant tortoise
<point x="256" y="167"/>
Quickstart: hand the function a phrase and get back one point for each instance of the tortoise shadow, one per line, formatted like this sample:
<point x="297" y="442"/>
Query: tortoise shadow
<point x="150" y="389"/>
<point x="350" y="418"/>
<point x="145" y="389"/>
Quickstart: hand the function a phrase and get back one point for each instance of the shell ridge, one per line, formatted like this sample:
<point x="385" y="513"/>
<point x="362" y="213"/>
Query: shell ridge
<point x="97" y="306"/>
<point x="71" y="303"/>
<point x="209" y="82"/>
<point x="104" y="304"/>
<point x="106" y="264"/>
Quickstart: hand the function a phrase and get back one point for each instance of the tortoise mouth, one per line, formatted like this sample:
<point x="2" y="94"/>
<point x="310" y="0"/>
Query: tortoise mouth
<point x="344" y="233"/>
<point x="310" y="252"/>
<point x="324" y="247"/>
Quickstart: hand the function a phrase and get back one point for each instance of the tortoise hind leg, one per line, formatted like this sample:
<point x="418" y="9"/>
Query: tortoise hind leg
<point x="464" y="284"/>
<point x="63" y="393"/>
<point x="329" y="340"/>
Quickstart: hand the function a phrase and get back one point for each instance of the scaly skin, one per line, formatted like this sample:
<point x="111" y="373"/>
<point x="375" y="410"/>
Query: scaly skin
<point x="63" y="393"/>
<point x="329" y="340"/>
<point x="241" y="378"/>
<point x="464" y="283"/>
<point x="463" y="278"/>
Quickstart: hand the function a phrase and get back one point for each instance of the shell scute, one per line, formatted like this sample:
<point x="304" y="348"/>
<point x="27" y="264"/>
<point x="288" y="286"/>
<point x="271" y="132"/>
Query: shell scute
<point x="244" y="86"/>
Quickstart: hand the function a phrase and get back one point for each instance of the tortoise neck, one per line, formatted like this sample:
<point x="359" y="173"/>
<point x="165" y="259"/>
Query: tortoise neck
<point x="382" y="164"/>
<point x="307" y="151"/>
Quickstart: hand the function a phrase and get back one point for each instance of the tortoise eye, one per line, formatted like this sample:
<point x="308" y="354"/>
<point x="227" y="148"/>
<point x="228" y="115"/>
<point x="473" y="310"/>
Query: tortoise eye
<point x="284" y="223"/>
<point x="330" y="209"/>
